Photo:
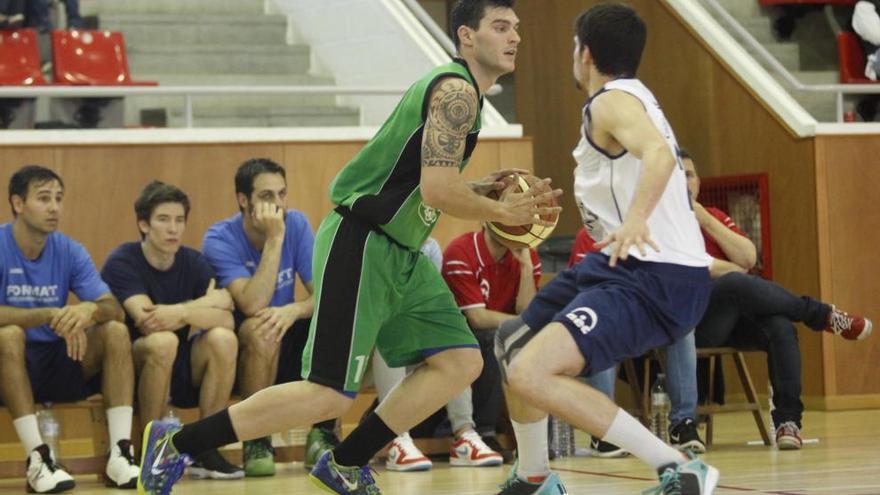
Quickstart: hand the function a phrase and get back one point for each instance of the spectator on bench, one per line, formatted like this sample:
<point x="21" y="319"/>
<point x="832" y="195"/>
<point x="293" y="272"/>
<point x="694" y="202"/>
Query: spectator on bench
<point x="52" y="350"/>
<point x="180" y="325"/>
<point x="257" y="253"/>
<point x="748" y="312"/>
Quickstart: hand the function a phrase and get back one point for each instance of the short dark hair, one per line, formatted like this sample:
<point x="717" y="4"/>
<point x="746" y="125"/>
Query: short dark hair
<point x="155" y="194"/>
<point x="615" y="35"/>
<point x="22" y="179"/>
<point x="684" y="154"/>
<point x="249" y="170"/>
<point x="469" y="13"/>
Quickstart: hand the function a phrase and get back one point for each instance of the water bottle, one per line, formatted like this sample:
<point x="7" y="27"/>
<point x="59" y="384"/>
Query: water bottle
<point x="50" y="429"/>
<point x="660" y="409"/>
<point x="560" y="438"/>
<point x="170" y="416"/>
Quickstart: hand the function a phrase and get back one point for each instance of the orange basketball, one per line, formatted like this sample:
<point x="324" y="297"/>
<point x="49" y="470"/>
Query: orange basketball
<point x="529" y="235"/>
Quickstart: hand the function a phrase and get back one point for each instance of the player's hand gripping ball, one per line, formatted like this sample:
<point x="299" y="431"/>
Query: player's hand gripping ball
<point x="528" y="235"/>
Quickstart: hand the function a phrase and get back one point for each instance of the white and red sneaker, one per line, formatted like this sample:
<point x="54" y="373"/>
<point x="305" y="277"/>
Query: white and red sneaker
<point x="470" y="450"/>
<point x="403" y="455"/>
<point x="850" y="327"/>
<point x="788" y="436"/>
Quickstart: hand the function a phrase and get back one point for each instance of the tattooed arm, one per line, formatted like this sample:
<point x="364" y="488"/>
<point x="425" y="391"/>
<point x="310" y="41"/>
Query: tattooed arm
<point x="451" y="114"/>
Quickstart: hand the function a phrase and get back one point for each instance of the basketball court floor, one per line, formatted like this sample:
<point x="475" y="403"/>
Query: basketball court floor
<point x="841" y="458"/>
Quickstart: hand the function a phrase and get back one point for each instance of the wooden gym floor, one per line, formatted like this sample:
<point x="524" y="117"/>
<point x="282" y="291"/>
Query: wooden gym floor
<point x="845" y="461"/>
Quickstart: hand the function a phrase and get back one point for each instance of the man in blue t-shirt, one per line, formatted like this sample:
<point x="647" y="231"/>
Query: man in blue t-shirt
<point x="52" y="350"/>
<point x="257" y="254"/>
<point x="181" y="326"/>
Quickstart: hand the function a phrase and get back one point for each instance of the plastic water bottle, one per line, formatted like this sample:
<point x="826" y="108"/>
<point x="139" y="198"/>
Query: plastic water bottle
<point x="50" y="429"/>
<point x="560" y="438"/>
<point x="660" y="409"/>
<point x="170" y="416"/>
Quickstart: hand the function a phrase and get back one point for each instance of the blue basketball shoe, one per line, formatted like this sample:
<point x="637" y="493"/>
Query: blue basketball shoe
<point x="161" y="464"/>
<point x="343" y="480"/>
<point x="690" y="478"/>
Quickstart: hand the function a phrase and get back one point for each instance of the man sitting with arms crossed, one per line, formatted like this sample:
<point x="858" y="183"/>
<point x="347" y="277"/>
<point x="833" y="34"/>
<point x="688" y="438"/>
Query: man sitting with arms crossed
<point x="52" y="351"/>
<point x="181" y="327"/>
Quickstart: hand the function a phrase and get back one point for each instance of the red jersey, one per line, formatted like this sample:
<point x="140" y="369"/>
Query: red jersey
<point x="712" y="247"/>
<point x="477" y="280"/>
<point x="583" y="243"/>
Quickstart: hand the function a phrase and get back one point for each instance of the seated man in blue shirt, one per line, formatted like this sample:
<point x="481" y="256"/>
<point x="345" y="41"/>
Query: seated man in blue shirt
<point x="181" y="327"/>
<point x="52" y="350"/>
<point x="257" y="253"/>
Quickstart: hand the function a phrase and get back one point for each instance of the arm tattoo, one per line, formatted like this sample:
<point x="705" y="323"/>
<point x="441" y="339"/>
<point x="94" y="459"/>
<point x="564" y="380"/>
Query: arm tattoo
<point x="450" y="117"/>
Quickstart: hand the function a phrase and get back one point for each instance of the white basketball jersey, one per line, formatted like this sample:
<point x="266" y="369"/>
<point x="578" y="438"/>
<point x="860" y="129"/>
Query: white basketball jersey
<point x="604" y="186"/>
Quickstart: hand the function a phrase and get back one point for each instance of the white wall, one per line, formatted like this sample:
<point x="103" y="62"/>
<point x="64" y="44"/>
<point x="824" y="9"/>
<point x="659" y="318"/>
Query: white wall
<point x="368" y="43"/>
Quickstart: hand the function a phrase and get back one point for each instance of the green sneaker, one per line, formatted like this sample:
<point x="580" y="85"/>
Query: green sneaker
<point x="318" y="441"/>
<point x="259" y="457"/>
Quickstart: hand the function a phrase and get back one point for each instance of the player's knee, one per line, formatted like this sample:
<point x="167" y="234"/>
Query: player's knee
<point x="12" y="341"/>
<point x="222" y="343"/>
<point x="116" y="337"/>
<point x="464" y="364"/>
<point x="521" y="378"/>
<point x="159" y="348"/>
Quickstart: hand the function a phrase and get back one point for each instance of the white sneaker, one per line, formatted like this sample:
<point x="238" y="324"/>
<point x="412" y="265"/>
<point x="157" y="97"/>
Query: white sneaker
<point x="44" y="475"/>
<point x="122" y="470"/>
<point x="403" y="455"/>
<point x="470" y="450"/>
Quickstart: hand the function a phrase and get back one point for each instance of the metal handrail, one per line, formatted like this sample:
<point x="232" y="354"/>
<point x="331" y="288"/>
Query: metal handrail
<point x="838" y="89"/>
<point x="188" y="92"/>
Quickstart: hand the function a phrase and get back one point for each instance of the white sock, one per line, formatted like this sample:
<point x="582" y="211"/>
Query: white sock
<point x="119" y="423"/>
<point x="626" y="431"/>
<point x="28" y="432"/>
<point x="531" y="441"/>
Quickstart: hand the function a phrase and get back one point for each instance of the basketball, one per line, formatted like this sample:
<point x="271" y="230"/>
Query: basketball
<point x="529" y="235"/>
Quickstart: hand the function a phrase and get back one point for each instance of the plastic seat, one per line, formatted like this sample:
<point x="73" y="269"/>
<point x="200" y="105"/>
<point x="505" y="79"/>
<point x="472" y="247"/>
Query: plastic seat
<point x="20" y="58"/>
<point x="91" y="58"/>
<point x="851" y="59"/>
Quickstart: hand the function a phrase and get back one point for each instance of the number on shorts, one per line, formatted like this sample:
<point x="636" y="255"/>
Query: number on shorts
<point x="361" y="364"/>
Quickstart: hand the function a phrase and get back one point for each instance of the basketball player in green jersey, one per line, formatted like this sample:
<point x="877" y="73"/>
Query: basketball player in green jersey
<point x="372" y="287"/>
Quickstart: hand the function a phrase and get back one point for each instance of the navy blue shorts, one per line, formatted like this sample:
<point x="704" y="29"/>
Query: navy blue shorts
<point x="184" y="393"/>
<point x="622" y="312"/>
<point x="54" y="376"/>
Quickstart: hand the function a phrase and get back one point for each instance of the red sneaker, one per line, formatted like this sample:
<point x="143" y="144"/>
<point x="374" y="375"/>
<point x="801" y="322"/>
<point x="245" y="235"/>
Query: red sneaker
<point x="850" y="327"/>
<point x="403" y="455"/>
<point x="788" y="436"/>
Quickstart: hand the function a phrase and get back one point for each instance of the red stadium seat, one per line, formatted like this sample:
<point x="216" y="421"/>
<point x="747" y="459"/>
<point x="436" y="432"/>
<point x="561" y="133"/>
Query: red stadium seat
<point x="91" y="58"/>
<point x="851" y="59"/>
<point x="20" y="58"/>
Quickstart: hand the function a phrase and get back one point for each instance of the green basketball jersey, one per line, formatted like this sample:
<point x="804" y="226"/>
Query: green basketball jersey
<point x="381" y="183"/>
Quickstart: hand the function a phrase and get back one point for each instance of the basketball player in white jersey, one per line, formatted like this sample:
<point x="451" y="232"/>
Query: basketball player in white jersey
<point x="647" y="288"/>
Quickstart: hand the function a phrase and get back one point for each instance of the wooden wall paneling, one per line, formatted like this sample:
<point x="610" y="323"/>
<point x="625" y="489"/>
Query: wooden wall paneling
<point x="851" y="171"/>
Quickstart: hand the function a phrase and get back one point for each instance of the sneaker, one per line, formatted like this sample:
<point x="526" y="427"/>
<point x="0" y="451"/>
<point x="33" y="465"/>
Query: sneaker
<point x="212" y="465"/>
<point x="605" y="450"/>
<point x="492" y="442"/>
<point x="122" y="470"/>
<point x="552" y="485"/>
<point x="850" y="327"/>
<point x="259" y="457"/>
<point x="470" y="450"/>
<point x="788" y="436"/>
<point x="684" y="436"/>
<point x="343" y="480"/>
<point x="689" y="478"/>
<point x="403" y="455"/>
<point x="161" y="464"/>
<point x="44" y="475"/>
<point x="318" y="441"/>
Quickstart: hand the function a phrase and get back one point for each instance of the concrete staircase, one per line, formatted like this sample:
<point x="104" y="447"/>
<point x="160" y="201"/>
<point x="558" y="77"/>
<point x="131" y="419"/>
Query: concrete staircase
<point x="810" y="55"/>
<point x="217" y="42"/>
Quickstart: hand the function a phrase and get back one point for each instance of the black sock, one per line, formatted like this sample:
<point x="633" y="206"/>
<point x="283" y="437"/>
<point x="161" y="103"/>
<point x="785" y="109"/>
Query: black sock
<point x="209" y="433"/>
<point x="329" y="425"/>
<point x="362" y="444"/>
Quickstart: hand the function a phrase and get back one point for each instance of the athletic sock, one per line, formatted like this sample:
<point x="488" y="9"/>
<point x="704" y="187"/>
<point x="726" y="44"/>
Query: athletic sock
<point x="329" y="425"/>
<point x="362" y="444"/>
<point x="206" y="434"/>
<point x="28" y="432"/>
<point x="119" y="424"/>
<point x="531" y="441"/>
<point x="626" y="432"/>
